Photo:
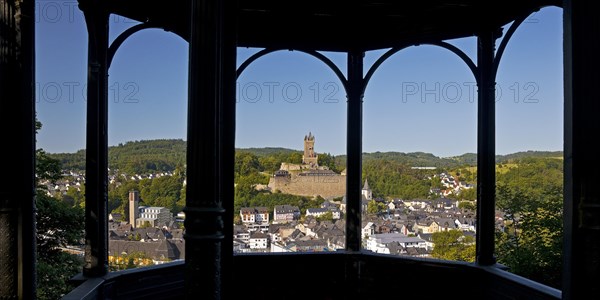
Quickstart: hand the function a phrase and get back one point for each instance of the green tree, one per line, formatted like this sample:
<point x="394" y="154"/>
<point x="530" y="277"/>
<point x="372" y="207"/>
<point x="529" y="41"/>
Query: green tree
<point x="530" y="243"/>
<point x="46" y="167"/>
<point x="246" y="163"/>
<point x="58" y="224"/>
<point x="467" y="205"/>
<point x="394" y="179"/>
<point x="54" y="275"/>
<point x="453" y="245"/>
<point x="328" y="216"/>
<point x="130" y="263"/>
<point x="328" y="160"/>
<point x="468" y="194"/>
<point x="77" y="195"/>
<point x="374" y="207"/>
<point x="163" y="191"/>
<point x="295" y="158"/>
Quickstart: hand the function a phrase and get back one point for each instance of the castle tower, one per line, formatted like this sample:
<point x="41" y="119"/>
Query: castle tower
<point x="134" y="203"/>
<point x="309" y="157"/>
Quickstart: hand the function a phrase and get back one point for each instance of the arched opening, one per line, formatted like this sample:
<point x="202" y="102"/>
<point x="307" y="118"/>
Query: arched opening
<point x="290" y="154"/>
<point x="529" y="148"/>
<point x="420" y="116"/>
<point x="147" y="92"/>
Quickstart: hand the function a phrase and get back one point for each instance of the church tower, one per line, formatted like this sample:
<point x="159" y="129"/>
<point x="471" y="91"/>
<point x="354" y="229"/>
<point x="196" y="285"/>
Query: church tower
<point x="134" y="203"/>
<point x="366" y="191"/>
<point x="309" y="157"/>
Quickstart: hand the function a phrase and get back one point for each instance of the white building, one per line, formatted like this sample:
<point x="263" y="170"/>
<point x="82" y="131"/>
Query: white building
<point x="254" y="215"/>
<point x="368" y="230"/>
<point x="155" y="216"/>
<point x="258" y="241"/>
<point x="379" y="243"/>
<point x="316" y="212"/>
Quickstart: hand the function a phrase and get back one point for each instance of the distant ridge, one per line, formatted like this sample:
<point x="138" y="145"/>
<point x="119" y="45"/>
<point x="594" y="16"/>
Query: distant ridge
<point x="147" y="156"/>
<point x="268" y="150"/>
<point x="531" y="153"/>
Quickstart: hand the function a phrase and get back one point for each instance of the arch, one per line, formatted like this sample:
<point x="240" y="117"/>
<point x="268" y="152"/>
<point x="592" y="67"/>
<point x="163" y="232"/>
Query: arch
<point x="312" y="53"/>
<point x="509" y="33"/>
<point x="462" y="55"/>
<point x="114" y="46"/>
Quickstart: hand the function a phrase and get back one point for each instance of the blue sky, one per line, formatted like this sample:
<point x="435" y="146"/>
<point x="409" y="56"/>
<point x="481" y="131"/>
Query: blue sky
<point x="420" y="99"/>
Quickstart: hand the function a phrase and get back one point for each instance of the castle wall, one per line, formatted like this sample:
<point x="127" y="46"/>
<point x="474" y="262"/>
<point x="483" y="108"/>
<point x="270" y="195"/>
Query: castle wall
<point x="326" y="186"/>
<point x="290" y="167"/>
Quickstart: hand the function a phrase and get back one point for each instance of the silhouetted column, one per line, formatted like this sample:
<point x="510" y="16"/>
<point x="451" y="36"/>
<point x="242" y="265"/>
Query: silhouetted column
<point x="354" y="90"/>
<point x="227" y="148"/>
<point x="17" y="127"/>
<point x="96" y="161"/>
<point x="210" y="151"/>
<point x="486" y="149"/>
<point x="354" y="150"/>
<point x="581" y="254"/>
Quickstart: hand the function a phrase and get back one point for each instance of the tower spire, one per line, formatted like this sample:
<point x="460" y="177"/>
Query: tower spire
<point x="310" y="157"/>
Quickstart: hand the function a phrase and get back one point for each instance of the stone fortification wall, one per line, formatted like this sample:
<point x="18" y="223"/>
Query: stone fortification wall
<point x="327" y="186"/>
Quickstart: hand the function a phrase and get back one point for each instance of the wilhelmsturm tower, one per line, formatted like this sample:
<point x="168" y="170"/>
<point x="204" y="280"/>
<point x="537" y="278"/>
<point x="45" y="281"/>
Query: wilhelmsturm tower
<point x="309" y="157"/>
<point x="308" y="178"/>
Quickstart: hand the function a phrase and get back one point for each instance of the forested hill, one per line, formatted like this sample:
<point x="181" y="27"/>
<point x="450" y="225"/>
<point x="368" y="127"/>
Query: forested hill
<point x="149" y="156"/>
<point x="267" y="151"/>
<point x="528" y="154"/>
<point x="421" y="159"/>
<point x="136" y="157"/>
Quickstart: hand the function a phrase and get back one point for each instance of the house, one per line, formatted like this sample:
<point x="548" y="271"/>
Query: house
<point x="465" y="223"/>
<point x="285" y="213"/>
<point x="396" y="204"/>
<point x="368" y="229"/>
<point x="387" y="227"/>
<point x="379" y="243"/>
<point x="281" y="233"/>
<point x="445" y="224"/>
<point x="251" y="215"/>
<point x="430" y="225"/>
<point x="336" y="214"/>
<point x="240" y="232"/>
<point x="258" y="241"/>
<point x="316" y="212"/>
<point x="428" y="238"/>
<point x="281" y="247"/>
<point x="115" y="217"/>
<point x="444" y="203"/>
<point x="405" y="229"/>
<point x="316" y="245"/>
<point x="158" y="252"/>
<point x="336" y="243"/>
<point x="240" y="246"/>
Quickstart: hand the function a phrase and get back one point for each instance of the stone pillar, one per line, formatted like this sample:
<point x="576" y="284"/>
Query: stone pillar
<point x="210" y="150"/>
<point x="17" y="125"/>
<point x="96" y="161"/>
<point x="354" y="150"/>
<point x="581" y="255"/>
<point x="486" y="148"/>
